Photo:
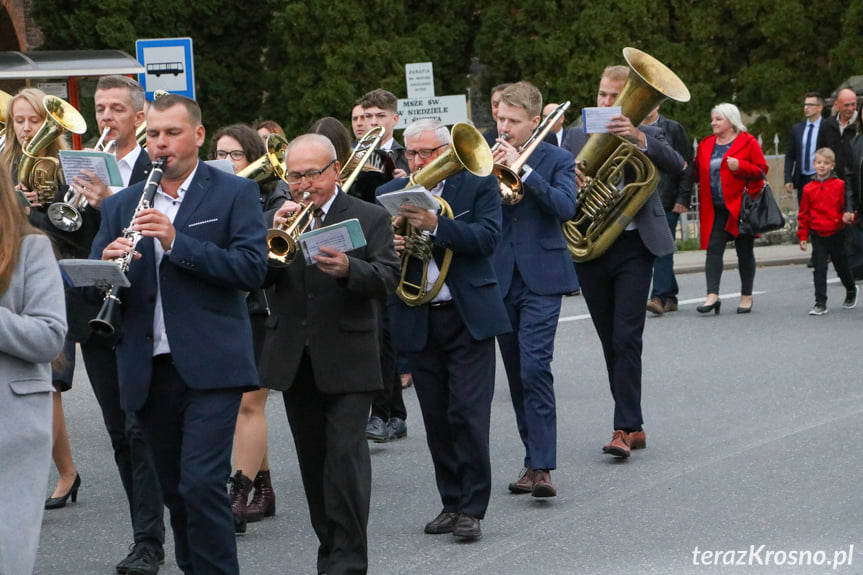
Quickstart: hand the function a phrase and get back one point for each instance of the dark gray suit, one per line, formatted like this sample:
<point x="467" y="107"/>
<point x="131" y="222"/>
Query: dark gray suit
<point x="321" y="349"/>
<point x="616" y="284"/>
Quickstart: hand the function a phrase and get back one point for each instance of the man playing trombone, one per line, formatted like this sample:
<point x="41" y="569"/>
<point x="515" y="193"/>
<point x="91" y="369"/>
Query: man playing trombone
<point x="534" y="269"/>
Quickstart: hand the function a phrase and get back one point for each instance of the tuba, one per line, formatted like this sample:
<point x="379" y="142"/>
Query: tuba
<point x="271" y="165"/>
<point x="4" y="103"/>
<point x="603" y="211"/>
<point x="358" y="160"/>
<point x="283" y="242"/>
<point x="39" y="173"/>
<point x="511" y="191"/>
<point x="468" y="151"/>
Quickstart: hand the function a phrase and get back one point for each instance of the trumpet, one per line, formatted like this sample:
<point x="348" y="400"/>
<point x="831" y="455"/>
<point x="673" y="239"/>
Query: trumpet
<point x="511" y="191"/>
<point x="283" y="241"/>
<point x="359" y="158"/>
<point x="66" y="215"/>
<point x="109" y="316"/>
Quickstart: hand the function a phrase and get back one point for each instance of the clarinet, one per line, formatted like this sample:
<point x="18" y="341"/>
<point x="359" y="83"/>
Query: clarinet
<point x="109" y="316"/>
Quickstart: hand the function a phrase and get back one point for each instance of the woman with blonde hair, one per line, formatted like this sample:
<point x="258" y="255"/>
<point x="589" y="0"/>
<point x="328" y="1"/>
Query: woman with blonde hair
<point x="25" y="115"/>
<point x="32" y="329"/>
<point x="728" y="163"/>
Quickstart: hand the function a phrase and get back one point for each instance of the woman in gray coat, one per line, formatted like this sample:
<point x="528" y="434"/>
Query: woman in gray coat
<point x="32" y="330"/>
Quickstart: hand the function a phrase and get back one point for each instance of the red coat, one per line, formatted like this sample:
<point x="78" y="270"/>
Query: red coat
<point x="821" y="208"/>
<point x="751" y="170"/>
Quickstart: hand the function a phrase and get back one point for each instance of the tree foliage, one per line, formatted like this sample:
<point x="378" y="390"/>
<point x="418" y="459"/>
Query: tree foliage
<point x="295" y="61"/>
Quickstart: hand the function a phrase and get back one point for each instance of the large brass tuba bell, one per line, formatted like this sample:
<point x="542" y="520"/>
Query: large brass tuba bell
<point x="604" y="207"/>
<point x="468" y="151"/>
<point x="271" y="165"/>
<point x="40" y="173"/>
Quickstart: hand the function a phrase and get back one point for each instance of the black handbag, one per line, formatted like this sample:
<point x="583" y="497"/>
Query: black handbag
<point x="761" y="213"/>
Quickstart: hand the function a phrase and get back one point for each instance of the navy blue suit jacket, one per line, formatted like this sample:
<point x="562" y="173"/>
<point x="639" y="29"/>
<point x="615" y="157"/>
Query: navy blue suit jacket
<point x="472" y="235"/>
<point x="794" y="153"/>
<point x="219" y="253"/>
<point x="650" y="219"/>
<point x="531" y="237"/>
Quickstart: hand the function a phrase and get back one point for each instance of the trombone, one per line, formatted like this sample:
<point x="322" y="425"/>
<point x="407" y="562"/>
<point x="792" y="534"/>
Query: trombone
<point x="271" y="165"/>
<point x="283" y="241"/>
<point x="511" y="188"/>
<point x="360" y="157"/>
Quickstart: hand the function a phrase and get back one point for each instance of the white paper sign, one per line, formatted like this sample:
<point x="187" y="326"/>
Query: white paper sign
<point x="595" y="120"/>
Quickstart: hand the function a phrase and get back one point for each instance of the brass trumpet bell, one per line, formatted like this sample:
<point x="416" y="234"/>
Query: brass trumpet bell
<point x="283" y="242"/>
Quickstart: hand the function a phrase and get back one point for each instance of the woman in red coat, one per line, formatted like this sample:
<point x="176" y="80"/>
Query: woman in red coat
<point x="725" y="164"/>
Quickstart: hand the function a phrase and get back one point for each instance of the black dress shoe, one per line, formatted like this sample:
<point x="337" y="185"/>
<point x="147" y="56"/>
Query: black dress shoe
<point x="443" y="523"/>
<point x="376" y="430"/>
<point x="144" y="559"/>
<point x="396" y="428"/>
<point x="58" y="502"/>
<point x="467" y="527"/>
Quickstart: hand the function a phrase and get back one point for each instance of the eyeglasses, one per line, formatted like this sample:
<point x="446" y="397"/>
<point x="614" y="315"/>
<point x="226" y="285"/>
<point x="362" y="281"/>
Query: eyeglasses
<point x="294" y="178"/>
<point x="424" y="154"/>
<point x="235" y="154"/>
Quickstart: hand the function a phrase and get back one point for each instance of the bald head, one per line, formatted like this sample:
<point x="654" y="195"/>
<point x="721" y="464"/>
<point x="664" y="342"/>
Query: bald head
<point x="846" y="104"/>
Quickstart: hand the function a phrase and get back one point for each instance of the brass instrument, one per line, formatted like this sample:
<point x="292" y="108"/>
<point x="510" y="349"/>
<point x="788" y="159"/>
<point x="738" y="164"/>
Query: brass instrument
<point x="283" y="242"/>
<point x="504" y="137"/>
<point x="603" y="211"/>
<point x="271" y="165"/>
<point x="4" y="103"/>
<point x="141" y="131"/>
<point x="511" y="191"/>
<point x="40" y="173"/>
<point x="109" y="316"/>
<point x="66" y="215"/>
<point x="468" y="151"/>
<point x="358" y="160"/>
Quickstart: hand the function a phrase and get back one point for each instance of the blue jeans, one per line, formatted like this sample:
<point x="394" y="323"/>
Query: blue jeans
<point x="664" y="282"/>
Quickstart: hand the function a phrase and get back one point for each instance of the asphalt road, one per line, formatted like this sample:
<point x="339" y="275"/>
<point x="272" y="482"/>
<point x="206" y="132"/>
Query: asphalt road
<point x="751" y="423"/>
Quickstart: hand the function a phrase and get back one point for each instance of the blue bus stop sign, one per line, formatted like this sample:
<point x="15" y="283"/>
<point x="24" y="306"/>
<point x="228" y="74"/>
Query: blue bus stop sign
<point x="170" y="66"/>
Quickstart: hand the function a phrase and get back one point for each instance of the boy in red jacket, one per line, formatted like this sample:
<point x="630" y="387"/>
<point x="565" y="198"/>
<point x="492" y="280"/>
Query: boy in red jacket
<point x="823" y="215"/>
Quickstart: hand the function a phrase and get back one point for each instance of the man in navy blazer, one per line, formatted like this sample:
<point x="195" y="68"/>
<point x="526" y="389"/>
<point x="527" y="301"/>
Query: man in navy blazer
<point x="616" y="284"/>
<point x="534" y="269"/>
<point x="185" y="357"/>
<point x="449" y="342"/>
<point x="802" y="143"/>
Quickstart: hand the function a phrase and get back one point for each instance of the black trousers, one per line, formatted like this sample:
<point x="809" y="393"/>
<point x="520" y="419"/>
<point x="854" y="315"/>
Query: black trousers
<point x="131" y="450"/>
<point x="454" y="380"/>
<point x="330" y="436"/>
<point x="191" y="433"/>
<point x="716" y="248"/>
<point x="388" y="402"/>
<point x="834" y="248"/>
<point x="615" y="287"/>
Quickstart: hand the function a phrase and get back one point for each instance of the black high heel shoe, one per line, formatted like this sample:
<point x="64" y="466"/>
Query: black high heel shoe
<point x="742" y="309"/>
<point x="58" y="502"/>
<point x="712" y="307"/>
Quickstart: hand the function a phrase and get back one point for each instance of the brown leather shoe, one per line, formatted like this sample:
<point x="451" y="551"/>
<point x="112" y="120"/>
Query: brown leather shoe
<point x="670" y="305"/>
<point x="525" y="481"/>
<point x="637" y="440"/>
<point x="467" y="527"/>
<point x="263" y="503"/>
<point x="443" y="523"/>
<point x="655" y="306"/>
<point x="619" y="446"/>
<point x="542" y="485"/>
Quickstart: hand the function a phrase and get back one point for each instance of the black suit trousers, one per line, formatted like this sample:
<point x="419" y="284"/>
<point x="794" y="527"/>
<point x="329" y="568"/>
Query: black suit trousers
<point x="389" y="402"/>
<point x="191" y="434"/>
<point x="615" y="287"/>
<point x="454" y="380"/>
<point x="330" y="436"/>
<point x="131" y="450"/>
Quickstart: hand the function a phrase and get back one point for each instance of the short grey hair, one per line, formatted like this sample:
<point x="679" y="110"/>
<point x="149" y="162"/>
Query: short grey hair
<point x="428" y="125"/>
<point x="317" y="139"/>
<point x="731" y="113"/>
